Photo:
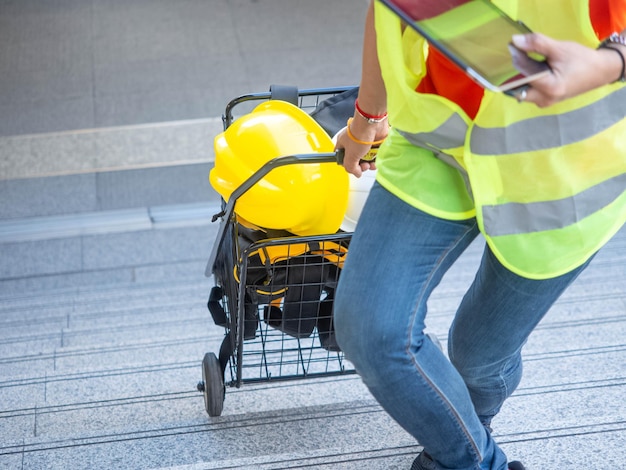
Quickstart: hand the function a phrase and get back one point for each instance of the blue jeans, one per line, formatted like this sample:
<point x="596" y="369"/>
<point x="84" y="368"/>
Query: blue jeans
<point x="396" y="258"/>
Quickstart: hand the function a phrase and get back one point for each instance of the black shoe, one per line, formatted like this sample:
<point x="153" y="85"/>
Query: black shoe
<point x="424" y="462"/>
<point x="516" y="466"/>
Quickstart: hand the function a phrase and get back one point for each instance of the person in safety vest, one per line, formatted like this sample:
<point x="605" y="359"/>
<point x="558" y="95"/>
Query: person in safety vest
<point x="541" y="177"/>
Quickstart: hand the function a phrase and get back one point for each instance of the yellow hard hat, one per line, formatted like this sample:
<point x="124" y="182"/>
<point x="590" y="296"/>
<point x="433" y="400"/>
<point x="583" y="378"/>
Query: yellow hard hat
<point x="305" y="199"/>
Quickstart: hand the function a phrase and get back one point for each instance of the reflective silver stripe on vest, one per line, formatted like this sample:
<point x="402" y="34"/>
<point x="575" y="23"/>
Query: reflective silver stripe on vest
<point x="516" y="218"/>
<point x="546" y="132"/>
<point x="450" y="135"/>
<point x="444" y="157"/>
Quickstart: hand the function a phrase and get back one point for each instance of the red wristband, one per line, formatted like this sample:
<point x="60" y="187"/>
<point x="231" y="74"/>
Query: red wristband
<point x="371" y="118"/>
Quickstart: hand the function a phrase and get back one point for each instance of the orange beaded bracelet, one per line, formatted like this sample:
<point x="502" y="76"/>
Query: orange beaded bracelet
<point x="362" y="142"/>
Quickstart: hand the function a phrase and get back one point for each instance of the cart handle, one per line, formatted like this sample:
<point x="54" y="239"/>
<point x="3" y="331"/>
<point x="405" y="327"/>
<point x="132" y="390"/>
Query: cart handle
<point x="227" y="213"/>
<point x="227" y="117"/>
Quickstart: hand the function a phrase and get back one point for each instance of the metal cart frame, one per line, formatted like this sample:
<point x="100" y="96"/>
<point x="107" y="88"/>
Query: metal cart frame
<point x="257" y="345"/>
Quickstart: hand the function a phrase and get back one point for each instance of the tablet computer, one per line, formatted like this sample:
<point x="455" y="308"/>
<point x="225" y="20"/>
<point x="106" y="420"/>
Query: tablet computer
<point x="476" y="36"/>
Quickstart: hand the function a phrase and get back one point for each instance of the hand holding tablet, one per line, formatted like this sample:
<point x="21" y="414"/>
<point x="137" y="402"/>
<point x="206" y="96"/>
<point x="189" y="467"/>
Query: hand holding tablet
<point x="476" y="36"/>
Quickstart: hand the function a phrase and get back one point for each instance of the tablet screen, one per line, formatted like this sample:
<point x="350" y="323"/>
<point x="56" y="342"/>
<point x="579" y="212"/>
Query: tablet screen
<point x="473" y="33"/>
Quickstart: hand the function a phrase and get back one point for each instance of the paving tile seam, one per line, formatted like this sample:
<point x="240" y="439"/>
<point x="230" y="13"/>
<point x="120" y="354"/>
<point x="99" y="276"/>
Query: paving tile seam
<point x="69" y="321"/>
<point x="182" y="310"/>
<point x="577" y="293"/>
<point x="569" y="387"/>
<point x="96" y="350"/>
<point x="112" y="403"/>
<point x="216" y="337"/>
<point x="65" y="334"/>
<point x="326" y="458"/>
<point x="94" y="374"/>
<point x="115" y="438"/>
<point x="133" y="293"/>
<point x="273" y="418"/>
<point x="547" y="323"/>
<point x="77" y="332"/>
<point x="87" y="292"/>
<point x="204" y="319"/>
<point x="112" y="284"/>
<point x="595" y="320"/>
<point x="561" y="432"/>
<point x="115" y="304"/>
<point x="32" y="339"/>
<point x="57" y="351"/>
<point x="91" y="374"/>
<point x="523" y="390"/>
<point x="365" y="455"/>
<point x="561" y="303"/>
<point x="194" y="394"/>
<point x="178" y="291"/>
<point x="39" y="320"/>
<point x="594" y="350"/>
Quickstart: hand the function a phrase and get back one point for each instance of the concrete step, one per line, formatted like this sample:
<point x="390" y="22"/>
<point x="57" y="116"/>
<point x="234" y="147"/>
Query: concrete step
<point x="138" y="256"/>
<point x="176" y="422"/>
<point x="92" y="300"/>
<point x="309" y="423"/>
<point x="108" y="149"/>
<point x="106" y="222"/>
<point x="30" y="199"/>
<point x="106" y="206"/>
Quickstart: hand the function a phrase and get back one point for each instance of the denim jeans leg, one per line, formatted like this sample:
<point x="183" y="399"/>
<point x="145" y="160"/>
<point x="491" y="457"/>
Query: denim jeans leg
<point x="493" y="322"/>
<point x="397" y="256"/>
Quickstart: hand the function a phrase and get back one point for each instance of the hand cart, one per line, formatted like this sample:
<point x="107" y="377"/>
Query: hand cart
<point x="273" y="290"/>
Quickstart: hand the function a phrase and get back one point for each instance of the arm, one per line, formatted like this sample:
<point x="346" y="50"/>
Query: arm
<point x="576" y="68"/>
<point x="372" y="99"/>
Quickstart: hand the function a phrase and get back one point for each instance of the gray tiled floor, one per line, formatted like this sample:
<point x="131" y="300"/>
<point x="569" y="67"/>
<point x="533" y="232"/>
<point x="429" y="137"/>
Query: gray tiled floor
<point x="76" y="64"/>
<point x="99" y="370"/>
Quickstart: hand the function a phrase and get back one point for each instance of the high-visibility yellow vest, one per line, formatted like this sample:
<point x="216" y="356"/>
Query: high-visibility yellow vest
<point x="547" y="186"/>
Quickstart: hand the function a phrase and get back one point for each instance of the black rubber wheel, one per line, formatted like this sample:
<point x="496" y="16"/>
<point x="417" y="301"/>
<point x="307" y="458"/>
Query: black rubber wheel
<point x="213" y="385"/>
